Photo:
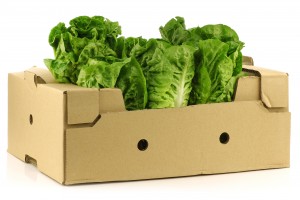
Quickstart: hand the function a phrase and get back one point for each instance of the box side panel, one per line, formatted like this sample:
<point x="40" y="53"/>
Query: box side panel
<point x="16" y="139"/>
<point x="273" y="87"/>
<point x="181" y="142"/>
<point x="82" y="106"/>
<point x="274" y="91"/>
<point x="35" y="125"/>
<point x="248" y="89"/>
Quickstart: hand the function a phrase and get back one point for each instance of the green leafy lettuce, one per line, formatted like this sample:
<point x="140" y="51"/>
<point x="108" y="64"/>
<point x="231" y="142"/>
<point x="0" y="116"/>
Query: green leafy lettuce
<point x="85" y="37"/>
<point x="183" y="67"/>
<point x="89" y="53"/>
<point x="218" y="66"/>
<point x="218" y="58"/>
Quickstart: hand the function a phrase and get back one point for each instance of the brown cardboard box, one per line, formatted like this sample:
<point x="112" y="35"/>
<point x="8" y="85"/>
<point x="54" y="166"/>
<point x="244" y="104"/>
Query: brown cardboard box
<point x="79" y="135"/>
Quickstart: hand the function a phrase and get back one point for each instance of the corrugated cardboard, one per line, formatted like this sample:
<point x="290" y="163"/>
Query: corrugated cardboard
<point x="79" y="135"/>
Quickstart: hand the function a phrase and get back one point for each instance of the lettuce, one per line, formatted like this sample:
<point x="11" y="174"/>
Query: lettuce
<point x="183" y="67"/>
<point x="89" y="53"/>
<point x="219" y="63"/>
<point x="229" y="36"/>
<point x="213" y="73"/>
<point x="85" y="37"/>
<point x="218" y="58"/>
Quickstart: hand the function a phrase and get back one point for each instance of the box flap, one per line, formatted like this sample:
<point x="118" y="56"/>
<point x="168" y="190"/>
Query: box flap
<point x="248" y="89"/>
<point x="82" y="106"/>
<point x="111" y="100"/>
<point x="247" y="60"/>
<point x="37" y="75"/>
<point x="273" y="86"/>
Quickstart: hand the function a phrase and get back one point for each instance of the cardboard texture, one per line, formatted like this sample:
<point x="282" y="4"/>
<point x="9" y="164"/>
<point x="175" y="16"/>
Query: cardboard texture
<point x="79" y="135"/>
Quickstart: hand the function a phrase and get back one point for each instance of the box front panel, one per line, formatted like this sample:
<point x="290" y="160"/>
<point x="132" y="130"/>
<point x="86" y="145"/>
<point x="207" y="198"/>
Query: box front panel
<point x="202" y="139"/>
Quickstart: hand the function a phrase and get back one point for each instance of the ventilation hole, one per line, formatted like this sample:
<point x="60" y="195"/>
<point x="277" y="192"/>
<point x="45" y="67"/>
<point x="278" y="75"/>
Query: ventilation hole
<point x="30" y="119"/>
<point x="224" y="138"/>
<point x="142" y="145"/>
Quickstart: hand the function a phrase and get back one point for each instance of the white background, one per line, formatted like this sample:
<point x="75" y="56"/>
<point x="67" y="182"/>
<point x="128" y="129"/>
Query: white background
<point x="270" y="30"/>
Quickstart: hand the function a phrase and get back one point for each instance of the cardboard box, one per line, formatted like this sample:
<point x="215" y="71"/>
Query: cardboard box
<point x="79" y="135"/>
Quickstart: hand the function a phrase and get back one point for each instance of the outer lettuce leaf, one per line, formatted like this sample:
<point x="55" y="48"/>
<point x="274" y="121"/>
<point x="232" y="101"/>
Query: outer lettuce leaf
<point x="214" y="80"/>
<point x="62" y="67"/>
<point x="56" y="34"/>
<point x="223" y="33"/>
<point x="169" y="77"/>
<point x="133" y="85"/>
<point x="236" y="58"/>
<point x="131" y="79"/>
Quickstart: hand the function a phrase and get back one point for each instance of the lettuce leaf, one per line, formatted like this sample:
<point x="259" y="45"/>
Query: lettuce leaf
<point x="100" y="74"/>
<point x="131" y="79"/>
<point x="214" y="80"/>
<point x="225" y="34"/>
<point x="133" y="85"/>
<point x="170" y="74"/>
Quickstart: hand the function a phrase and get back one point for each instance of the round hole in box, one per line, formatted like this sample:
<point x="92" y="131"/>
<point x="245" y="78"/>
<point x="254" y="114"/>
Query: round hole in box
<point x="224" y="138"/>
<point x="30" y="119"/>
<point x="142" y="145"/>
